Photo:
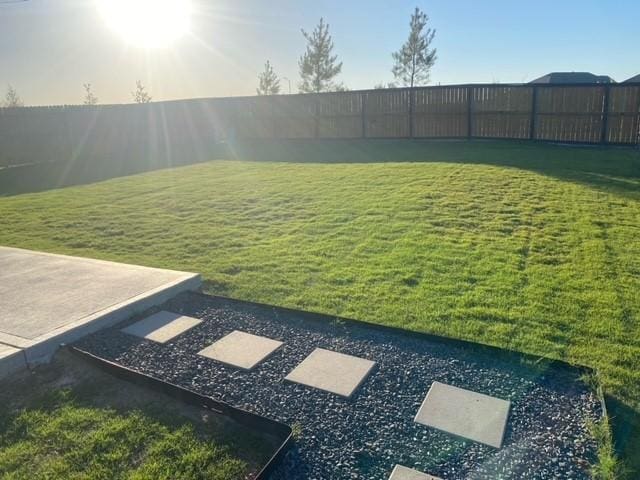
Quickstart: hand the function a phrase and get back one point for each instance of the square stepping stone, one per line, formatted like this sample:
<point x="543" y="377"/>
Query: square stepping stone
<point x="404" y="473"/>
<point x="162" y="326"/>
<point x="331" y="371"/>
<point x="465" y="413"/>
<point x="240" y="349"/>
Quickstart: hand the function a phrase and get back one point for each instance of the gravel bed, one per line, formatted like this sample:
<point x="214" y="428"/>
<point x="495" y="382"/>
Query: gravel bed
<point x="365" y="436"/>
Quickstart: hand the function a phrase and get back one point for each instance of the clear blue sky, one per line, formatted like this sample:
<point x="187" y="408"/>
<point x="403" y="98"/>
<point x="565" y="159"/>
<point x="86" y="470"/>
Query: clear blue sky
<point x="49" y="48"/>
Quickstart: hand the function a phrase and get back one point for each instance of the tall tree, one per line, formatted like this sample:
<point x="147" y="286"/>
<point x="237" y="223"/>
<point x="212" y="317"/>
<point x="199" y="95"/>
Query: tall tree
<point x="414" y="60"/>
<point x="89" y="97"/>
<point x="269" y="81"/>
<point x="318" y="65"/>
<point x="12" y="99"/>
<point x="140" y="95"/>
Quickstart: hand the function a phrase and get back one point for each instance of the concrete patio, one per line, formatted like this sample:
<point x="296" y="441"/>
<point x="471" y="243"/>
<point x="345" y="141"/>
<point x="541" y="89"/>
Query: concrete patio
<point x="48" y="299"/>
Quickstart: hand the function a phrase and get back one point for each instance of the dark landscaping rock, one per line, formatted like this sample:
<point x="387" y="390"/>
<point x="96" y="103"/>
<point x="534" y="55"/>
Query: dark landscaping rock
<point x="365" y="436"/>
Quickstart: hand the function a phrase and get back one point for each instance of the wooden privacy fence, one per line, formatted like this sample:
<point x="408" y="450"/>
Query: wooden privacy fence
<point x="592" y="113"/>
<point x="160" y="133"/>
<point x="189" y="129"/>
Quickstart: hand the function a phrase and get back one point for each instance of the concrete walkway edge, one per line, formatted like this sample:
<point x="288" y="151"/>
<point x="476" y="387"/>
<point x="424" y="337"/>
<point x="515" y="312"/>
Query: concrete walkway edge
<point x="17" y="352"/>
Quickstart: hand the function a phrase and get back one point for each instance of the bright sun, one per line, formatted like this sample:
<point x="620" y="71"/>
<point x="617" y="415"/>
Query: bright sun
<point x="147" y="23"/>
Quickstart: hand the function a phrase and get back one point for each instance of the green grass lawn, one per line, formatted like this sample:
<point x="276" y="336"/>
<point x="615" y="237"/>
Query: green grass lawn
<point x="529" y="247"/>
<point x="71" y="421"/>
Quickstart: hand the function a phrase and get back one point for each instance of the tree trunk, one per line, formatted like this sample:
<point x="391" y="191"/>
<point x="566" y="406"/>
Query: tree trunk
<point x="413" y="69"/>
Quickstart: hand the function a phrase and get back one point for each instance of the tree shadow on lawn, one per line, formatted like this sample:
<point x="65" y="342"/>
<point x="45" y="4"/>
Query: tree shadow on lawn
<point x="611" y="169"/>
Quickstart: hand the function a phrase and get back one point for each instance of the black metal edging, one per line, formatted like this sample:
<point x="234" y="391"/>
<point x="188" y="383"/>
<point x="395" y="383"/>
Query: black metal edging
<point x="505" y="354"/>
<point x="283" y="432"/>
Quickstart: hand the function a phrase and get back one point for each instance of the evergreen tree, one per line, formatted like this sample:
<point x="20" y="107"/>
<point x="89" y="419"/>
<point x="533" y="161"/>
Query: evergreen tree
<point x="12" y="99"/>
<point x="318" y="67"/>
<point x="414" y="60"/>
<point x="141" y="95"/>
<point x="269" y="81"/>
<point x="89" y="97"/>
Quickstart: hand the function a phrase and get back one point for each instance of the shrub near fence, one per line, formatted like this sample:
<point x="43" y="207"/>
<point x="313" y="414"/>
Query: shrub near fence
<point x="170" y="132"/>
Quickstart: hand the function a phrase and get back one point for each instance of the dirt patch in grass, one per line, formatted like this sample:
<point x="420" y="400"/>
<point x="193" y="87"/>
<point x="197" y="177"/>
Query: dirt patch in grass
<point x="71" y="420"/>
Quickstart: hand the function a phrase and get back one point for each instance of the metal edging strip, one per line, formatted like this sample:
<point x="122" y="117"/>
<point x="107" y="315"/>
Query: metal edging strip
<point x="263" y="424"/>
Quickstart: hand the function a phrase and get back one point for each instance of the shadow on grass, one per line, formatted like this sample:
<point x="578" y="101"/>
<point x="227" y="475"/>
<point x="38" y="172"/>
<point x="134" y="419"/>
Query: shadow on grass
<point x="83" y="170"/>
<point x="612" y="169"/>
<point x="73" y="418"/>
<point x="626" y="434"/>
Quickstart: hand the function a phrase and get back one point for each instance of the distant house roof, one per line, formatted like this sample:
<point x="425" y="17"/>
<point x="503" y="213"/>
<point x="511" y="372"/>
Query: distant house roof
<point x="573" y="77"/>
<point x="633" y="79"/>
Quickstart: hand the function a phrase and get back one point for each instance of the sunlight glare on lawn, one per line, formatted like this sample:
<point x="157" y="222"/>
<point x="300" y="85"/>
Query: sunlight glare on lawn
<point x="147" y="23"/>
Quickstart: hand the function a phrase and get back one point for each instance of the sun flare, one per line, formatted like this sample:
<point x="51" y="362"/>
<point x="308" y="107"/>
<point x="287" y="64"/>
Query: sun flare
<point x="147" y="23"/>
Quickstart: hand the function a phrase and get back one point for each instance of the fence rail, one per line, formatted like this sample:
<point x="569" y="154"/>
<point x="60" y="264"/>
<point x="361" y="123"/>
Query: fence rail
<point x="591" y="113"/>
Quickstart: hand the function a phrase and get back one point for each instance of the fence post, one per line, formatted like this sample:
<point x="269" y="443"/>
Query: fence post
<point x="363" y="113"/>
<point x="274" y="124"/>
<point x="637" y="137"/>
<point x="534" y="109"/>
<point x="605" y="114"/>
<point x="411" y="112"/>
<point x="67" y="126"/>
<point x="638" y="122"/>
<point x="469" y="112"/>
<point x="316" y="116"/>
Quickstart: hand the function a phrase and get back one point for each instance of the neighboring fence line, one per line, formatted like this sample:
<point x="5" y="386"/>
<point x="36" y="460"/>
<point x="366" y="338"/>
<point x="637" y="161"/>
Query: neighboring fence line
<point x="594" y="113"/>
<point x="584" y="113"/>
